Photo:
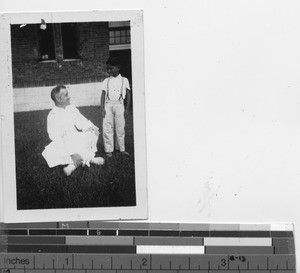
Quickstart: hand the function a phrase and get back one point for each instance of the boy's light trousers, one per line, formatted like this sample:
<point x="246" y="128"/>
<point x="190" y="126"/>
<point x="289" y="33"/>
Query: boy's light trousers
<point x="114" y="121"/>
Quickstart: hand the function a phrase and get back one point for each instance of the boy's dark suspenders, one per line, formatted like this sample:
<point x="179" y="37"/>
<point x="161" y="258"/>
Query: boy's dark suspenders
<point x="121" y="91"/>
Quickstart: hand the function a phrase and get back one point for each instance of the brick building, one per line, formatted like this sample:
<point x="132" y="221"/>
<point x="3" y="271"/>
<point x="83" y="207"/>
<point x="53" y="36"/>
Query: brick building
<point x="73" y="54"/>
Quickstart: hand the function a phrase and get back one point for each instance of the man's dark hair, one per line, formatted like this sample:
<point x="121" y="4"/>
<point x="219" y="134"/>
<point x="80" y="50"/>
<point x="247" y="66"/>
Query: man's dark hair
<point x="55" y="91"/>
<point x="114" y="61"/>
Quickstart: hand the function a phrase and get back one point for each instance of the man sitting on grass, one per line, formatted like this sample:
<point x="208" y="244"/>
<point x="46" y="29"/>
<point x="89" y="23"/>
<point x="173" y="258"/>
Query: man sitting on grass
<point x="74" y="138"/>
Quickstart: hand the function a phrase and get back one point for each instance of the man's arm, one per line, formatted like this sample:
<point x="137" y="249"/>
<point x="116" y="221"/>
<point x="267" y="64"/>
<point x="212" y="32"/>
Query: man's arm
<point x="55" y="132"/>
<point x="82" y="123"/>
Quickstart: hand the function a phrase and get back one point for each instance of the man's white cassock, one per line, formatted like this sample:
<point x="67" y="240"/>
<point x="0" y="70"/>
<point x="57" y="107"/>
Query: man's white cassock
<point x="67" y="128"/>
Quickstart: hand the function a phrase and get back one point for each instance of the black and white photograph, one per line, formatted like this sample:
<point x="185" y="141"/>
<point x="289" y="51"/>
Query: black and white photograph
<point x="76" y="102"/>
<point x="208" y="96"/>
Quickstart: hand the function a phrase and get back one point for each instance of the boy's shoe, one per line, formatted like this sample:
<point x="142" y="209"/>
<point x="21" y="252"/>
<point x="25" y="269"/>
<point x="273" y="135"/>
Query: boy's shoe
<point x="124" y="153"/>
<point x="109" y="154"/>
<point x="97" y="160"/>
<point x="69" y="169"/>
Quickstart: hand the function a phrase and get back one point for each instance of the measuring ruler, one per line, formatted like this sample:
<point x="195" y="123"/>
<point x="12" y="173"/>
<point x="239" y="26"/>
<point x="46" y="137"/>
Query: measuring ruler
<point x="124" y="247"/>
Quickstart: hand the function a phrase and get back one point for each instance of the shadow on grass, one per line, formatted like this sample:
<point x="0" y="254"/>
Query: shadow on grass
<point x="39" y="187"/>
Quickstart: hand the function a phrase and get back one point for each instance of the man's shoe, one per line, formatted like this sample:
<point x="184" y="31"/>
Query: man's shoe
<point x="125" y="153"/>
<point x="97" y="160"/>
<point x="69" y="169"/>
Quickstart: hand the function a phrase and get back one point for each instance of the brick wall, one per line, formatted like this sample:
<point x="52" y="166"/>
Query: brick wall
<point x="30" y="73"/>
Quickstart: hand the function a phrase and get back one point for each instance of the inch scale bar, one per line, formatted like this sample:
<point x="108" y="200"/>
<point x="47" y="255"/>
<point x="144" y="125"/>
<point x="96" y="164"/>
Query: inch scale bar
<point x="112" y="247"/>
<point x="145" y="262"/>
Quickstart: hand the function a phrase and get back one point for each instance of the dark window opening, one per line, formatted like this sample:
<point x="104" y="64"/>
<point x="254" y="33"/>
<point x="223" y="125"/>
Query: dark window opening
<point x="69" y="41"/>
<point x="125" y="60"/>
<point x="46" y="43"/>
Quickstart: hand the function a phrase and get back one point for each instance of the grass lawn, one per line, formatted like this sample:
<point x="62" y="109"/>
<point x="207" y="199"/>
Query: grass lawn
<point x="39" y="187"/>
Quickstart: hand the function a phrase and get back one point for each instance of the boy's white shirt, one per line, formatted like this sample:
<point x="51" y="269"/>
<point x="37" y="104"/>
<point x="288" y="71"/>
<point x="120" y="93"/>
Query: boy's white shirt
<point x="115" y="84"/>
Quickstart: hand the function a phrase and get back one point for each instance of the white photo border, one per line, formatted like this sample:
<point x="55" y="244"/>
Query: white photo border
<point x="8" y="189"/>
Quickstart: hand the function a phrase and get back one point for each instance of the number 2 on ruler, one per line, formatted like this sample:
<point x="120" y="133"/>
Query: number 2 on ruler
<point x="144" y="262"/>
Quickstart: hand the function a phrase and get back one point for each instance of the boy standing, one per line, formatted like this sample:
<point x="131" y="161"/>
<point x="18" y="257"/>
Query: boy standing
<point x="115" y="89"/>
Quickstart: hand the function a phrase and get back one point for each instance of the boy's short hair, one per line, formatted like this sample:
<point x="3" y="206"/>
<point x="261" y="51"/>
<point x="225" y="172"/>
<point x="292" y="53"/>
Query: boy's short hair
<point x="114" y="61"/>
<point x="56" y="90"/>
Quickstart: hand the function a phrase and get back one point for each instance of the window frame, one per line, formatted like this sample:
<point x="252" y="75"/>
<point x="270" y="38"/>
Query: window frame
<point x="120" y="45"/>
<point x="58" y="45"/>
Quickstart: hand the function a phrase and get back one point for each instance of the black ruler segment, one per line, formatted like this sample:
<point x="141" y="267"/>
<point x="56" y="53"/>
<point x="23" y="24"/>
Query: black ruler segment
<point x="71" y="232"/>
<point x="184" y="233"/>
<point x="70" y="249"/>
<point x="43" y="232"/>
<point x="102" y="232"/>
<point x="194" y="233"/>
<point x="164" y="233"/>
<point x="15" y="232"/>
<point x="128" y="232"/>
<point x="101" y="249"/>
<point x="255" y="234"/>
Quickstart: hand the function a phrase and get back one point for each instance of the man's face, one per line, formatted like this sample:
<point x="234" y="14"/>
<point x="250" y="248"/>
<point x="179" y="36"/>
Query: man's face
<point x="113" y="70"/>
<point x="63" y="98"/>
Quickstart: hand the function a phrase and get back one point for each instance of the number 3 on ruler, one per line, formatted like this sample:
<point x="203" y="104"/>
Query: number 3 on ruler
<point x="223" y="262"/>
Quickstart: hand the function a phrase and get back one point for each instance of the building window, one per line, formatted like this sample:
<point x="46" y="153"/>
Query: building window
<point x="58" y="41"/>
<point x="119" y="36"/>
<point x="69" y="41"/>
<point x="46" y="43"/>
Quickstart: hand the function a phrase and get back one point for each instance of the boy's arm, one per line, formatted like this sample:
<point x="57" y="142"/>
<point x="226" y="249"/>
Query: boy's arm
<point x="127" y="101"/>
<point x="103" y="103"/>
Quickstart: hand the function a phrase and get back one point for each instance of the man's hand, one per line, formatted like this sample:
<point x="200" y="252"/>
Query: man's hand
<point x="94" y="130"/>
<point x="103" y="112"/>
<point x="77" y="160"/>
